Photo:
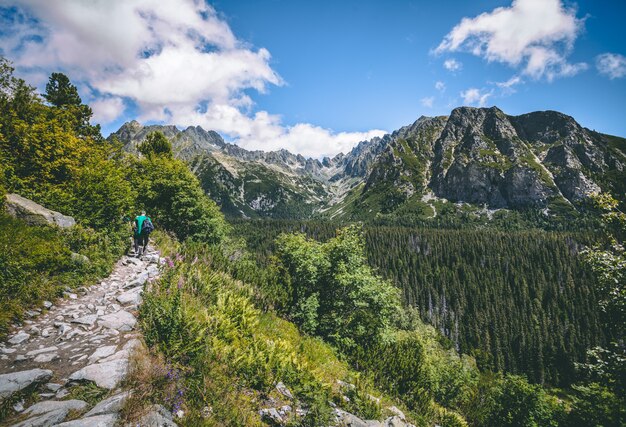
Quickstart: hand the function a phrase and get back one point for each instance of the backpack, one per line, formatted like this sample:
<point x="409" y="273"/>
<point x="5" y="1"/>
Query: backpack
<point x="147" y="227"/>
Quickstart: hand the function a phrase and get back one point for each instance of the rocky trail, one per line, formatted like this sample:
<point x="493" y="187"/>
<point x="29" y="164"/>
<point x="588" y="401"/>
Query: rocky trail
<point x="85" y="338"/>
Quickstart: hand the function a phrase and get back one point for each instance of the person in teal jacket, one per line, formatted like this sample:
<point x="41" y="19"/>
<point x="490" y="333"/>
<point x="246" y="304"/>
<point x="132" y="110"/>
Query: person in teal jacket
<point x="141" y="237"/>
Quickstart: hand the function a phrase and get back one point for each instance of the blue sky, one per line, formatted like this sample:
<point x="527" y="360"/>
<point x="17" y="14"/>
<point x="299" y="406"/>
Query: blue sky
<point x="317" y="77"/>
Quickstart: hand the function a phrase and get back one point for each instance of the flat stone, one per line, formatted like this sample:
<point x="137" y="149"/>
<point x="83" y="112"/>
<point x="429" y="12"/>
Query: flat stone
<point x="106" y="375"/>
<point x="19" y="338"/>
<point x="53" y="387"/>
<point x="102" y="352"/>
<point x="88" y="320"/>
<point x="139" y="281"/>
<point x="47" y="304"/>
<point x="41" y="350"/>
<point x="47" y="419"/>
<point x="130" y="297"/>
<point x="54" y="405"/>
<point x="16" y="381"/>
<point x="106" y="420"/>
<point x="6" y="350"/>
<point x="111" y="405"/>
<point x="121" y="321"/>
<point x="45" y="357"/>
<point x="122" y="354"/>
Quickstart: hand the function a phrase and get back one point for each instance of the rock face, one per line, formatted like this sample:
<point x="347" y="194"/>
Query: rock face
<point x="479" y="156"/>
<point x="35" y="214"/>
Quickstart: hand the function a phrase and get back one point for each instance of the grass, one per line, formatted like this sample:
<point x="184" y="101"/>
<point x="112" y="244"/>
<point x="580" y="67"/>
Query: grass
<point x="36" y="264"/>
<point x="210" y="346"/>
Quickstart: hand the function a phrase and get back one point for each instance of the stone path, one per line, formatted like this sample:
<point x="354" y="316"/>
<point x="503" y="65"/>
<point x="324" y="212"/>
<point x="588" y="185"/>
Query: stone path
<point x="87" y="336"/>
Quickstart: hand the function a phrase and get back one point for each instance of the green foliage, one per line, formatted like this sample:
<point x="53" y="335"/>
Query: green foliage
<point x="595" y="405"/>
<point x="334" y="294"/>
<point x="156" y="144"/>
<point x="61" y="92"/>
<point x="52" y="155"/>
<point x="36" y="264"/>
<point x="171" y="195"/>
<point x="519" y="301"/>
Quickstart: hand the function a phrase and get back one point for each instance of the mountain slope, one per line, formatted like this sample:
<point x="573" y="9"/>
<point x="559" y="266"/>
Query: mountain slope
<point x="478" y="156"/>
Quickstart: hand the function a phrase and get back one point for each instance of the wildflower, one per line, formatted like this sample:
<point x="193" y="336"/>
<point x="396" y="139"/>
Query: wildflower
<point x="180" y="282"/>
<point x="169" y="262"/>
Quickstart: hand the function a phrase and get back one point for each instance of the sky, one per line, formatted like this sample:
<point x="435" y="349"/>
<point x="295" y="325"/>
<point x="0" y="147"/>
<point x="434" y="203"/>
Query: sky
<point x="317" y="77"/>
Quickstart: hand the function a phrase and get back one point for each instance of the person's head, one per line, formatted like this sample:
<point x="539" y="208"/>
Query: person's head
<point x="143" y="213"/>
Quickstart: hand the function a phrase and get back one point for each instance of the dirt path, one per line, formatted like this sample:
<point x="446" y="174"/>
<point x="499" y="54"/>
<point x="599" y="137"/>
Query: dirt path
<point x="86" y="337"/>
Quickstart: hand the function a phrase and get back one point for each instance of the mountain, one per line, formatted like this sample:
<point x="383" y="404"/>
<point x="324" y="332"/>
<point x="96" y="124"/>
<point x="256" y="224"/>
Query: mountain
<point x="475" y="158"/>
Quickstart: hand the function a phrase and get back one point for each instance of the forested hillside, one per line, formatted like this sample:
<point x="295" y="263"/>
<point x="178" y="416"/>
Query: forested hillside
<point x="518" y="301"/>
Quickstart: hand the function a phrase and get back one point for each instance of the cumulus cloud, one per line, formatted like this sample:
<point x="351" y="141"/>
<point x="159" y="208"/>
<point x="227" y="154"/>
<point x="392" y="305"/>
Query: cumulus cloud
<point x="474" y="96"/>
<point x="428" y="101"/>
<point x="177" y="62"/>
<point x="536" y="36"/>
<point x="452" y="64"/>
<point x="440" y="86"/>
<point x="612" y="65"/>
<point x="106" y="110"/>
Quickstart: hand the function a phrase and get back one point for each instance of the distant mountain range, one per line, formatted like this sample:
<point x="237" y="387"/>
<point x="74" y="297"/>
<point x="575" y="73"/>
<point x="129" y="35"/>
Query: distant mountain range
<point x="475" y="158"/>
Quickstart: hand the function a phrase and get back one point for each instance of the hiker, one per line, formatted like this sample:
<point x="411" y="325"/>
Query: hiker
<point x="142" y="227"/>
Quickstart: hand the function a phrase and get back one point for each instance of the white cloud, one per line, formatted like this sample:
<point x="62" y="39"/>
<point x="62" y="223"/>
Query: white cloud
<point x="178" y="62"/>
<point x="534" y="35"/>
<point x="474" y="96"/>
<point x="612" y="65"/>
<point x="440" y="86"/>
<point x="428" y="101"/>
<point x="106" y="110"/>
<point x="452" y="64"/>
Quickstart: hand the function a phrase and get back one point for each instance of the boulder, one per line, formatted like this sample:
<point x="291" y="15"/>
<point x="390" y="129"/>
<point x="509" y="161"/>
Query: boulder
<point x="35" y="214"/>
<point x="105" y="420"/>
<point x="111" y="405"/>
<point x="121" y="321"/>
<point x="16" y="381"/>
<point x="106" y="375"/>
<point x="55" y="405"/>
<point x="158" y="417"/>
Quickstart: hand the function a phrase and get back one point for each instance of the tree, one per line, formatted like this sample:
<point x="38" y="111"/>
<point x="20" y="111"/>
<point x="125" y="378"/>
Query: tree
<point x="334" y="293"/>
<point x="156" y="144"/>
<point x="61" y="92"/>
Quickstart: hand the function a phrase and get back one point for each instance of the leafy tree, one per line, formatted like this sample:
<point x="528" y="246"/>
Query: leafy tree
<point x="334" y="292"/>
<point x="171" y="194"/>
<point x="156" y="144"/>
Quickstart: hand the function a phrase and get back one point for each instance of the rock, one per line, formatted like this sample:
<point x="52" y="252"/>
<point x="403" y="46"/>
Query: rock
<point x="6" y="350"/>
<point x="46" y="357"/>
<point x="51" y="418"/>
<point x="35" y="214"/>
<point x="111" y="405"/>
<point x="17" y="381"/>
<point x="88" y="320"/>
<point x="19" y="406"/>
<point x="121" y="321"/>
<point x="272" y="415"/>
<point x="282" y="389"/>
<point x="47" y="304"/>
<point x="139" y="281"/>
<point x="394" y="410"/>
<point x="19" y="338"/>
<point x="346" y="419"/>
<point x="41" y="350"/>
<point x="157" y="417"/>
<point x="106" y="375"/>
<point x="102" y="352"/>
<point x="396" y="421"/>
<point x="53" y="387"/>
<point x="106" y="420"/>
<point x="54" y="405"/>
<point x="132" y="344"/>
<point x="130" y="297"/>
